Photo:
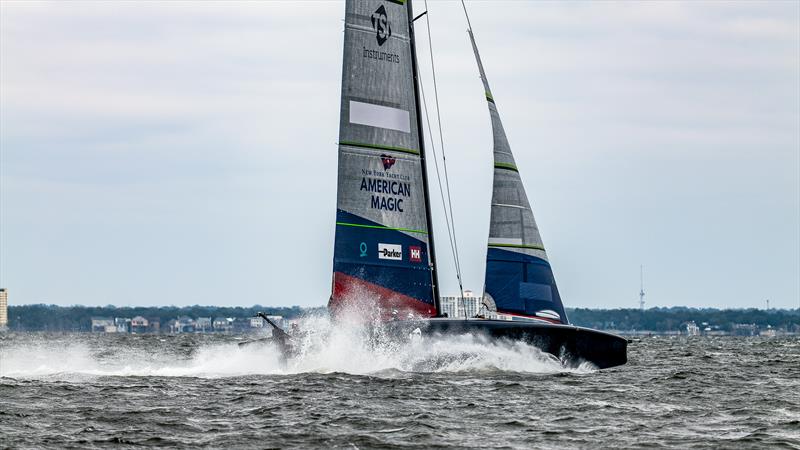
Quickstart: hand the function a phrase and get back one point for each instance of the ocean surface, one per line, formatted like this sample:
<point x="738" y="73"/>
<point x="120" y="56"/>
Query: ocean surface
<point x="190" y="391"/>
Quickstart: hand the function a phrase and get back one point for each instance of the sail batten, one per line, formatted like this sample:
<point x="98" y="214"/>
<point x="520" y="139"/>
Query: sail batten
<point x="519" y="279"/>
<point x="383" y="261"/>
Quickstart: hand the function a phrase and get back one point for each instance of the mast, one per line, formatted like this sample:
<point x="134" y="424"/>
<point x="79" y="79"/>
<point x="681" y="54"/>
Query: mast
<point x="423" y="162"/>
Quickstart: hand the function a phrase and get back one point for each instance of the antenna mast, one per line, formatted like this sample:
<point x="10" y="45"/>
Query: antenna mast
<point x="641" y="288"/>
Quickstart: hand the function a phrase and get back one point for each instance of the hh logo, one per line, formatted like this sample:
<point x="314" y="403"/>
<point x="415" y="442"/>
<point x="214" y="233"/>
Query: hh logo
<point x="415" y="254"/>
<point x="380" y="23"/>
<point x="387" y="161"/>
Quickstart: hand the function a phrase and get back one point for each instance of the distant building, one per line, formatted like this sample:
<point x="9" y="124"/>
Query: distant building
<point x="279" y="321"/>
<point x="223" y="324"/>
<point x="103" y="325"/>
<point x="769" y="332"/>
<point x="153" y="325"/>
<point x="455" y="307"/>
<point x="240" y="325"/>
<point x="745" y="329"/>
<point x="122" y="324"/>
<point x="3" y="308"/>
<point x="258" y="322"/>
<point x="139" y="325"/>
<point x="183" y="324"/>
<point x="186" y="324"/>
<point x="203" y="325"/>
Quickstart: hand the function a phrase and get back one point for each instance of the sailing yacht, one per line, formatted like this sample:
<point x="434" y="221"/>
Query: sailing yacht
<point x="384" y="266"/>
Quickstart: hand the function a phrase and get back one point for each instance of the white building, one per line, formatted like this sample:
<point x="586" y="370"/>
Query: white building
<point x="3" y="308"/>
<point x="223" y="324"/>
<point x="203" y="325"/>
<point x="457" y="308"/>
<point x="258" y="322"/>
<point x="123" y="324"/>
<point x="103" y="325"/>
<point x="139" y="324"/>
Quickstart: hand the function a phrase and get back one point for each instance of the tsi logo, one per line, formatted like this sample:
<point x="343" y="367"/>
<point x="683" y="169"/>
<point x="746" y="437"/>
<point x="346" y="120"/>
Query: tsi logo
<point x="414" y="254"/>
<point x="390" y="251"/>
<point x="380" y="23"/>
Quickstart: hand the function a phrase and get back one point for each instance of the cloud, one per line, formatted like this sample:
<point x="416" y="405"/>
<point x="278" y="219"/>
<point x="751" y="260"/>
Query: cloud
<point x="193" y="145"/>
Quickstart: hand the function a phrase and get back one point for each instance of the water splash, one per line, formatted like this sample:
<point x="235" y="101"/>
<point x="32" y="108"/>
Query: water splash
<point x="323" y="348"/>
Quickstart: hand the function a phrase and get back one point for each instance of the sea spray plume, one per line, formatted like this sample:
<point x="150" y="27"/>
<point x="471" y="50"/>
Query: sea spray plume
<point x="324" y="347"/>
<point x="351" y="346"/>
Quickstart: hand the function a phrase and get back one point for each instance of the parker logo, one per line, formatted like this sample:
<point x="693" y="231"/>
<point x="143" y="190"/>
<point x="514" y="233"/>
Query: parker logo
<point x="387" y="161"/>
<point x="390" y="251"/>
<point x="380" y="23"/>
<point x="414" y="254"/>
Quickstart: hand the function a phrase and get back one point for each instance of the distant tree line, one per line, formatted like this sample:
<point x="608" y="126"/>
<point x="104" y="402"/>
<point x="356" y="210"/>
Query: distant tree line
<point x="671" y="319"/>
<point x="78" y="318"/>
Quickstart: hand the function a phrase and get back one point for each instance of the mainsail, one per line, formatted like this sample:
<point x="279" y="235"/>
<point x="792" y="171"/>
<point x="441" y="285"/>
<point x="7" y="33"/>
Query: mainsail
<point x="519" y="280"/>
<point x="383" y="255"/>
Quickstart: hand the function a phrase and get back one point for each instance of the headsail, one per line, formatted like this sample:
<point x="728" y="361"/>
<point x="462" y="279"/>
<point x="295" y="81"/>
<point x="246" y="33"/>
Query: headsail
<point x="519" y="280"/>
<point x="382" y="260"/>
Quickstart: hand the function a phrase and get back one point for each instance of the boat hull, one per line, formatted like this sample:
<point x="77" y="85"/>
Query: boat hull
<point x="573" y="345"/>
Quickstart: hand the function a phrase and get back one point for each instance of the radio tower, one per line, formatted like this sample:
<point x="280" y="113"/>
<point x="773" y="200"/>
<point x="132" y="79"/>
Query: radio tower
<point x="641" y="288"/>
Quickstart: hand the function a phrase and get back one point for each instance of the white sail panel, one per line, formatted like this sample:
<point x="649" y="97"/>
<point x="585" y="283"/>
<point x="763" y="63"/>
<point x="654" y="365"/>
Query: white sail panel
<point x="379" y="116"/>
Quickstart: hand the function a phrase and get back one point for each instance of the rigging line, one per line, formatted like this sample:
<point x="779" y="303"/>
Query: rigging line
<point x="444" y="157"/>
<point x="438" y="176"/>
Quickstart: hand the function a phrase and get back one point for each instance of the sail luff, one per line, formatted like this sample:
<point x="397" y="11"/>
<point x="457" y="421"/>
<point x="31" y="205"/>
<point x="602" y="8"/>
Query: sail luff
<point x="519" y="279"/>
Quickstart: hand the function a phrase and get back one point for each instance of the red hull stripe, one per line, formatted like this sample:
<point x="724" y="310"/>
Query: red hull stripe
<point x="365" y="298"/>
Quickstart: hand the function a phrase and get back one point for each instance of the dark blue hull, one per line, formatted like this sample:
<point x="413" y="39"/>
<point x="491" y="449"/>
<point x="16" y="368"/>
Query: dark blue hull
<point x="571" y="344"/>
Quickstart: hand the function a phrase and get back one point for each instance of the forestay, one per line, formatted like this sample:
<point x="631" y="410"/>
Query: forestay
<point x="382" y="262"/>
<point x="519" y="280"/>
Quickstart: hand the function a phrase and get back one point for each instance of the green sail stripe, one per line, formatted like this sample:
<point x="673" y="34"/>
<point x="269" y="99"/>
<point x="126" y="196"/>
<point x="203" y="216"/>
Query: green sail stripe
<point x="505" y="166"/>
<point x="532" y="247"/>
<point x="358" y="225"/>
<point x="489" y="97"/>
<point x="399" y="2"/>
<point x="380" y="147"/>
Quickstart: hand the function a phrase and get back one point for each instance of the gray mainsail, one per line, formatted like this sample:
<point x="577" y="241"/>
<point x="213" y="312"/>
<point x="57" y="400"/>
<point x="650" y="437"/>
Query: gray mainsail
<point x="382" y="258"/>
<point x="519" y="280"/>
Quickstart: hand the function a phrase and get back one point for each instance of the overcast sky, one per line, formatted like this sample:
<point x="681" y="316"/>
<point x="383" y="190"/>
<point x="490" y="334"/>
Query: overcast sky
<point x="185" y="153"/>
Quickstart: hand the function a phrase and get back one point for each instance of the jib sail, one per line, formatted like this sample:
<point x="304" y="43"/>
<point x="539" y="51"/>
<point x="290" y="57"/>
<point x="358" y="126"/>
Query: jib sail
<point x="519" y="280"/>
<point x="382" y="258"/>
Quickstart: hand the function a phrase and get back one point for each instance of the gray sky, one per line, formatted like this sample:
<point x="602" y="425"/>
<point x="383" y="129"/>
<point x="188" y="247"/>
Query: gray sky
<point x="185" y="153"/>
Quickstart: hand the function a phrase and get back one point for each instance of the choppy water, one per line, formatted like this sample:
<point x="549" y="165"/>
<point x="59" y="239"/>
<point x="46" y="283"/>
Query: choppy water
<point x="79" y="390"/>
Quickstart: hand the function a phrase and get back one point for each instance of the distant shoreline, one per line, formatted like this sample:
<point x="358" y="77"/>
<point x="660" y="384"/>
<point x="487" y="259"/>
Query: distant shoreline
<point x="175" y="319"/>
